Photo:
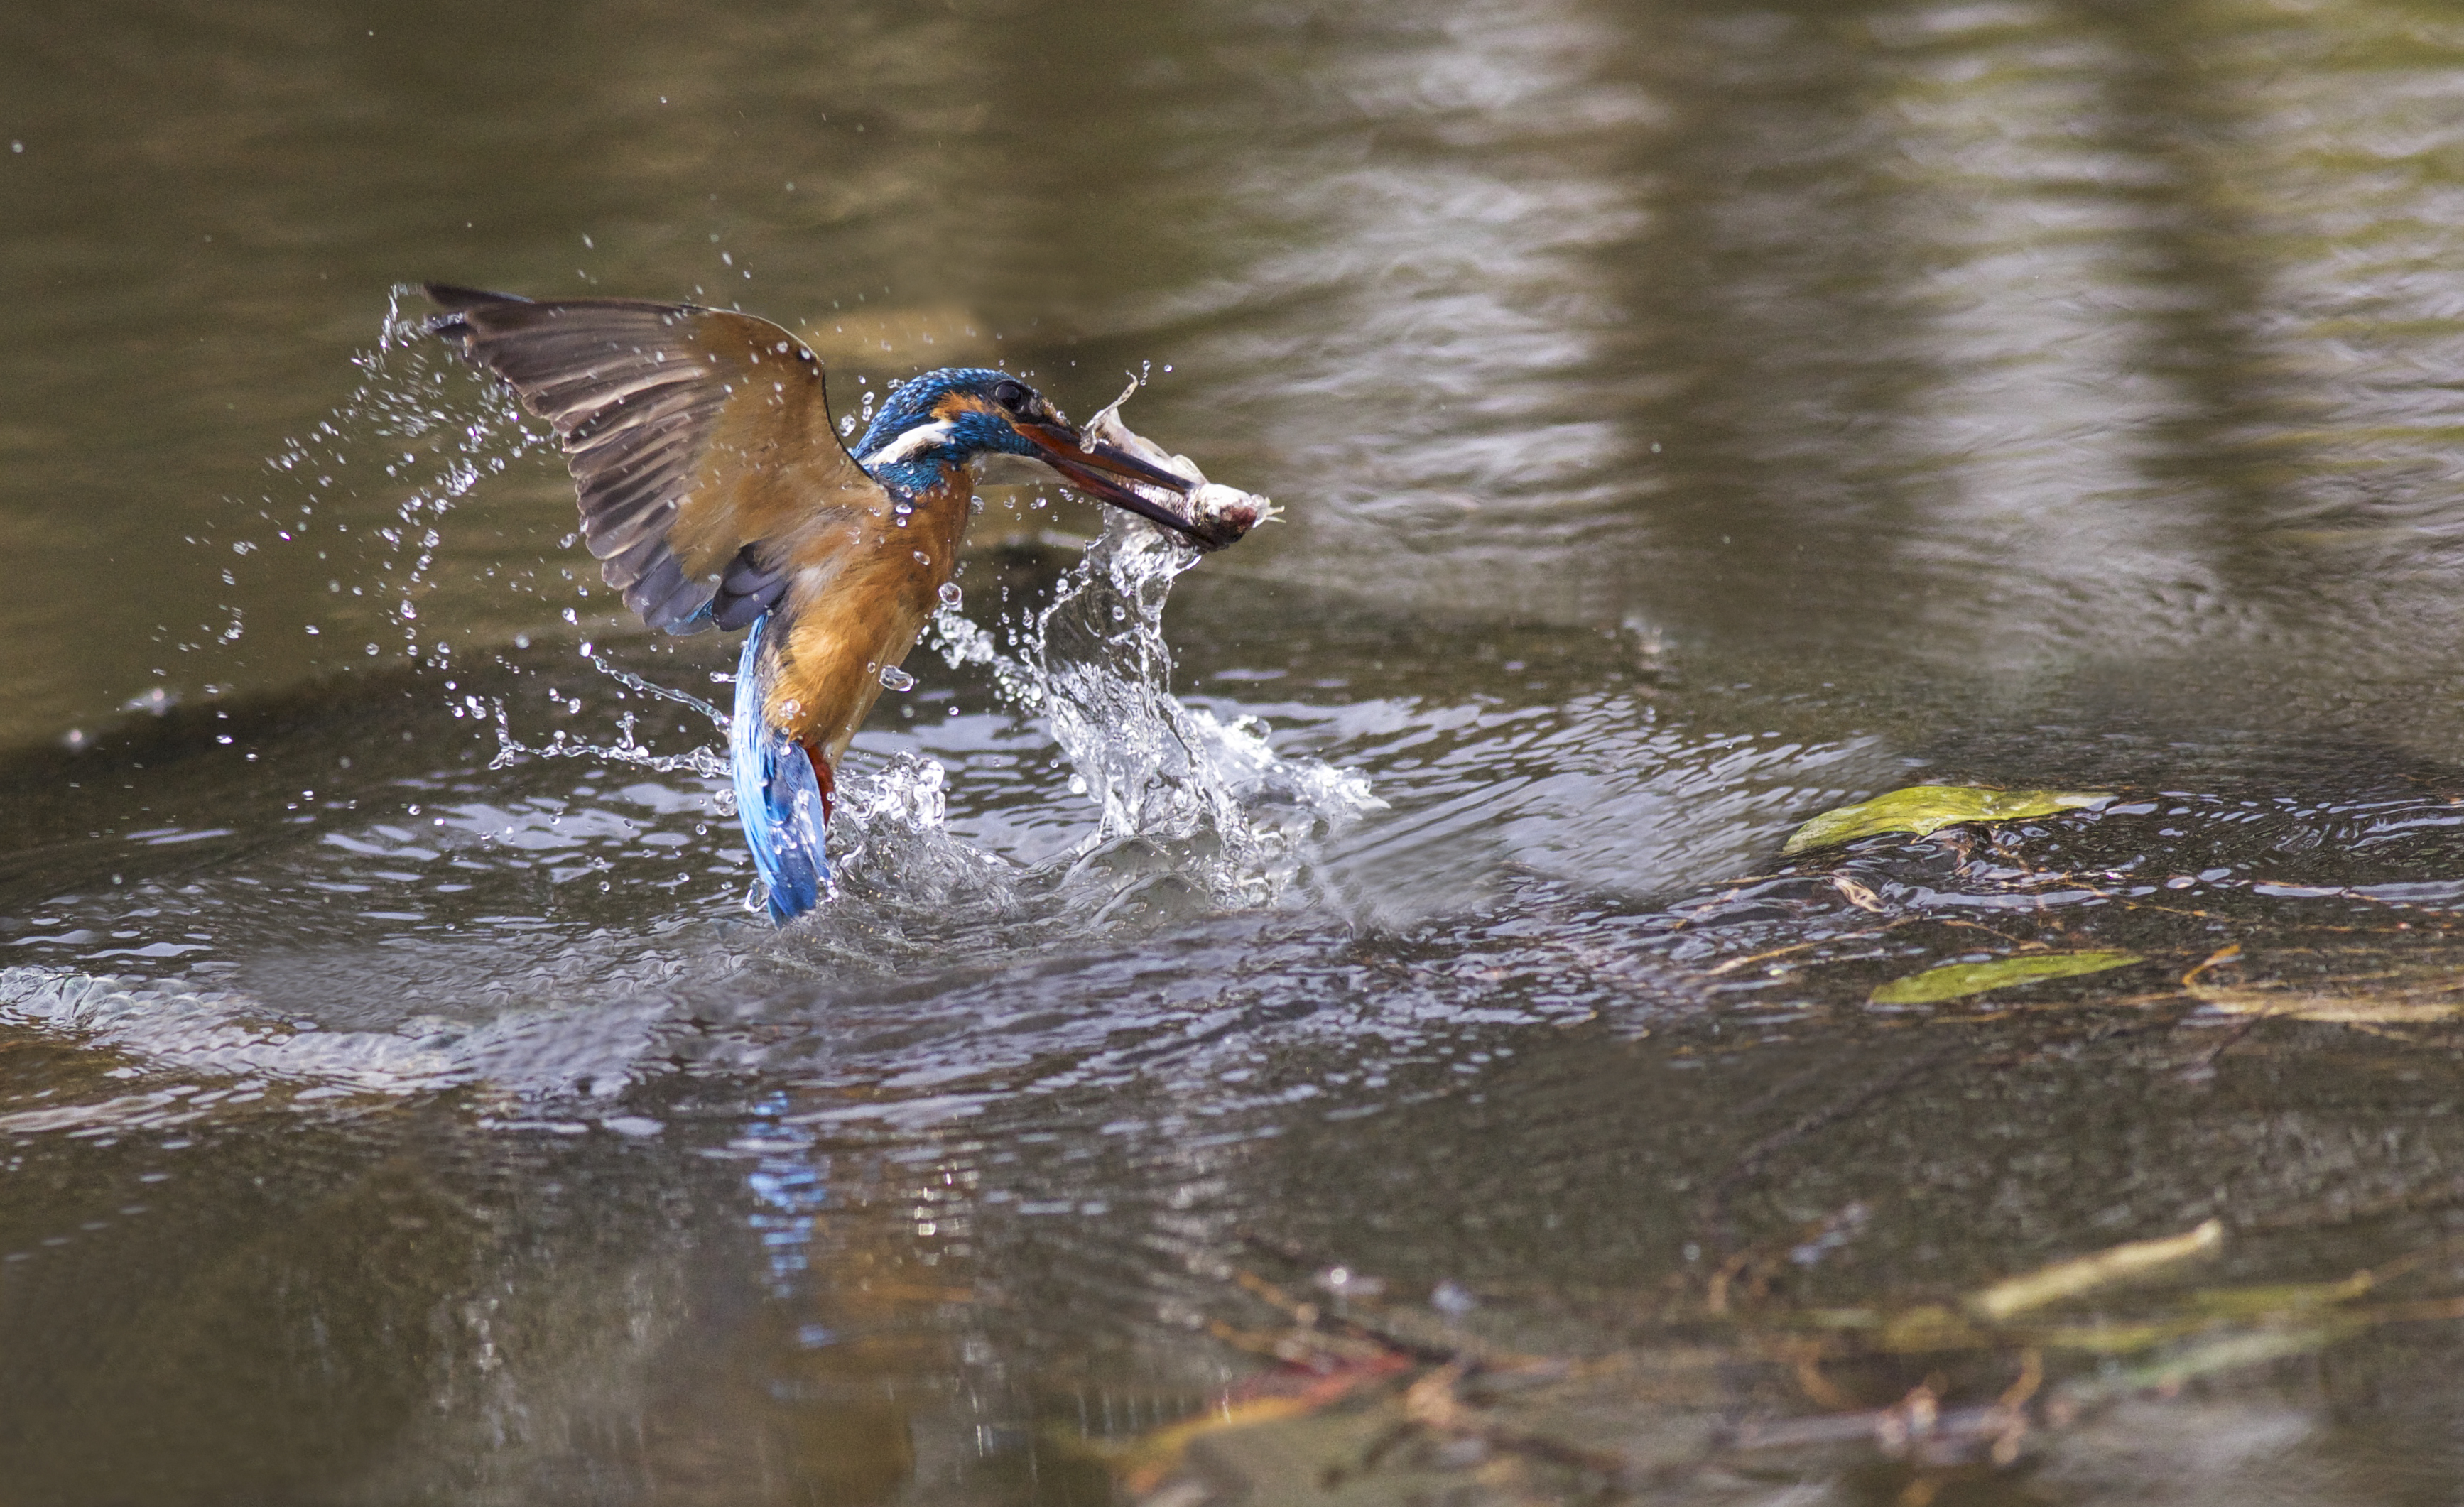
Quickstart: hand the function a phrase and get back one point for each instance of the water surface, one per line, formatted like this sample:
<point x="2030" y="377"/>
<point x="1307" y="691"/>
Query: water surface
<point x="1687" y="418"/>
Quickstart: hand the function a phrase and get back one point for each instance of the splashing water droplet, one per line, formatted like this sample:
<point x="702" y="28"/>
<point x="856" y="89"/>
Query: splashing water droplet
<point x="895" y="679"/>
<point x="951" y="595"/>
<point x="1245" y="820"/>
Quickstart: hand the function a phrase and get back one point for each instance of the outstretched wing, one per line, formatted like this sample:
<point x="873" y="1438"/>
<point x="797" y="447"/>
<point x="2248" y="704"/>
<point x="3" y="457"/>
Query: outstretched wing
<point x="697" y="438"/>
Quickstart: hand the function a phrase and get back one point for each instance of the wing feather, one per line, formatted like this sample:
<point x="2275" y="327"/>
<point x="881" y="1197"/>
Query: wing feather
<point x="662" y="410"/>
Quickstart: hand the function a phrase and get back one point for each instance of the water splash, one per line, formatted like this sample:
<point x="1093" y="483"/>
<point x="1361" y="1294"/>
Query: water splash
<point x="366" y="490"/>
<point x="893" y="853"/>
<point x="709" y="762"/>
<point x="1243" y="819"/>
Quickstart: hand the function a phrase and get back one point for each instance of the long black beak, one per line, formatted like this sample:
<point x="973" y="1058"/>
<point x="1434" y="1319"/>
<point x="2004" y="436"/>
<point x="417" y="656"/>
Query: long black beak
<point x="1109" y="473"/>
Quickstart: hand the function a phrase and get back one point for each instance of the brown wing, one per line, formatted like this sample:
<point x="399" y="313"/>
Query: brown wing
<point x="690" y="433"/>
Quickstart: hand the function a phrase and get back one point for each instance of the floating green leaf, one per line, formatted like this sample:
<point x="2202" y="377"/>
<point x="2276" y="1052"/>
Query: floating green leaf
<point x="1955" y="980"/>
<point x="1921" y="809"/>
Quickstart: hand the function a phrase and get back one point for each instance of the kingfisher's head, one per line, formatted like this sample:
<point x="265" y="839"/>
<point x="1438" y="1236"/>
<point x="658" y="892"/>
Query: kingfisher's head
<point x="970" y="416"/>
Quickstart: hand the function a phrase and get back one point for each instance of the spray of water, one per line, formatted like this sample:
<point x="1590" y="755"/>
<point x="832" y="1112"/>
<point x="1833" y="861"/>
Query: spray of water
<point x="365" y="491"/>
<point x="1167" y="777"/>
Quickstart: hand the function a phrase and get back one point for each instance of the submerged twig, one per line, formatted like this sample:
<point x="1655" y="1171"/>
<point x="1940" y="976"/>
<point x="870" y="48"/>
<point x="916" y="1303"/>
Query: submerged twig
<point x="1541" y="1412"/>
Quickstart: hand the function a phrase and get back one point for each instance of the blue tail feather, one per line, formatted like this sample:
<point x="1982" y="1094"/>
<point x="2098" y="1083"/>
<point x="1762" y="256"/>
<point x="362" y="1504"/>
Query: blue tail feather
<point x="776" y="795"/>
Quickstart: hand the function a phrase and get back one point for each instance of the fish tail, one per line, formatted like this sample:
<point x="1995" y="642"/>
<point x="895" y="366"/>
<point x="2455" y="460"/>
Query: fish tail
<point x="778" y="789"/>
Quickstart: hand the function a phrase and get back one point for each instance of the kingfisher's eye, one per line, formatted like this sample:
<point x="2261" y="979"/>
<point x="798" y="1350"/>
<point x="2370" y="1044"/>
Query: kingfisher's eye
<point x="1014" y="396"/>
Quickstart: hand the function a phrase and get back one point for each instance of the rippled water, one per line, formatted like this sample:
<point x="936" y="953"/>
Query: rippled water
<point x="1686" y="417"/>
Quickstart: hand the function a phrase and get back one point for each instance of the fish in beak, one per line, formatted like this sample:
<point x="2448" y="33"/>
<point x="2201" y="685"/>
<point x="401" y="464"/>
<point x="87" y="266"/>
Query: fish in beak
<point x="1109" y="462"/>
<point x="1110" y="473"/>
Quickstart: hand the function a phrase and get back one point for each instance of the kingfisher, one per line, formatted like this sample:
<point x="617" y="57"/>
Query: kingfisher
<point x="716" y="492"/>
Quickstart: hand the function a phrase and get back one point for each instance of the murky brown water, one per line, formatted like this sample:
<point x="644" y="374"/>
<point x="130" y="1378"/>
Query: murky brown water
<point x="1687" y="418"/>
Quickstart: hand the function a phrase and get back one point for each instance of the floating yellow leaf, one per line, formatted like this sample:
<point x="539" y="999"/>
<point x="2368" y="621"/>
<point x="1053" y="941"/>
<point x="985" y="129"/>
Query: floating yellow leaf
<point x="1921" y="809"/>
<point x="2051" y="1284"/>
<point x="1956" y="980"/>
<point x="2397" y="1007"/>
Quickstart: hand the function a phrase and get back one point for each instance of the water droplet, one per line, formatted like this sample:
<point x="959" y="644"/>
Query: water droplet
<point x="1119" y="612"/>
<point x="895" y="679"/>
<point x="951" y="595"/>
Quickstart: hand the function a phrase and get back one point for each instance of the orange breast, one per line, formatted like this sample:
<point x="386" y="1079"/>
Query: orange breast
<point x="864" y="589"/>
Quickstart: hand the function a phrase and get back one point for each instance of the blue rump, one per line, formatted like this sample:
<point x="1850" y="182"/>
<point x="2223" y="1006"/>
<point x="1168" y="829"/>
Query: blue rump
<point x="777" y="797"/>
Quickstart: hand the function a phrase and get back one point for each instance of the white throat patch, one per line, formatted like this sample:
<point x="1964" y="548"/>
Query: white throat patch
<point x="922" y="437"/>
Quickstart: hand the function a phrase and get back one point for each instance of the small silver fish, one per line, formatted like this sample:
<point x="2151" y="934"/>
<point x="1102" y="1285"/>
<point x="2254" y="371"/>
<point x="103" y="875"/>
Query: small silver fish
<point x="1217" y="514"/>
